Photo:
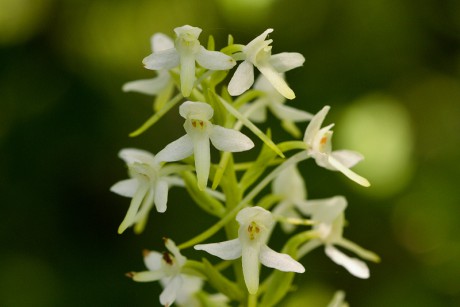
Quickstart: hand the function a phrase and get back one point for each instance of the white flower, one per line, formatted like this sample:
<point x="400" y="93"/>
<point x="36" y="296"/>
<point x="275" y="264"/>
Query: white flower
<point x="199" y="132"/>
<point x="319" y="145"/>
<point x="275" y="102"/>
<point x="187" y="50"/>
<point x="159" y="42"/>
<point x="290" y="185"/>
<point x="258" y="53"/>
<point x="251" y="245"/>
<point x="329" y="218"/>
<point x="166" y="267"/>
<point x="148" y="185"/>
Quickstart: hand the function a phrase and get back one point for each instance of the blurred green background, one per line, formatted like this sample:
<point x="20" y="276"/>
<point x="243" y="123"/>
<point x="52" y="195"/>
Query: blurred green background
<point x="390" y="69"/>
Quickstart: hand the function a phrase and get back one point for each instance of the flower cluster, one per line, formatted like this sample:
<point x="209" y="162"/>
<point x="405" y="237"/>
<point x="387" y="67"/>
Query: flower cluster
<point x="214" y="113"/>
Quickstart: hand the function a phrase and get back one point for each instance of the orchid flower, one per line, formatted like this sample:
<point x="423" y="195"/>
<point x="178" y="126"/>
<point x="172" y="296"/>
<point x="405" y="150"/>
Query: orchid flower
<point x="167" y="268"/>
<point x="148" y="185"/>
<point x="275" y="102"/>
<point x="251" y="245"/>
<point x="186" y="51"/>
<point x="159" y="42"/>
<point x="258" y="53"/>
<point x="329" y="218"/>
<point x="290" y="185"/>
<point x="199" y="132"/>
<point x="319" y="145"/>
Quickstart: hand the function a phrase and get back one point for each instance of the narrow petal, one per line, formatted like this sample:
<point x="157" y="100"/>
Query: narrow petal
<point x="358" y="250"/>
<point x="231" y="140"/>
<point x="347" y="158"/>
<point x="147" y="276"/>
<point x="160" y="42"/>
<point x="172" y="247"/>
<point x="202" y="153"/>
<point x="126" y="187"/>
<point x="355" y="266"/>
<point x="169" y="294"/>
<point x="165" y="59"/>
<point x="133" y="208"/>
<point x="284" y="112"/>
<point x="250" y="260"/>
<point x="177" y="150"/>
<point x="242" y="79"/>
<point x="227" y="250"/>
<point x="324" y="210"/>
<point x="285" y="61"/>
<point x="161" y="195"/>
<point x="314" y="125"/>
<point x="349" y="173"/>
<point x="148" y="86"/>
<point x="214" y="60"/>
<point x="276" y="80"/>
<point x="282" y="262"/>
<point x="187" y="73"/>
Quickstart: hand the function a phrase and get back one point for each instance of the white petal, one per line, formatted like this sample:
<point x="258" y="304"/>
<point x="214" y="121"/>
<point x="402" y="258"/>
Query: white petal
<point x="126" y="187"/>
<point x="132" y="155"/>
<point x="169" y="294"/>
<point x="214" y="60"/>
<point x="196" y="110"/>
<point x="284" y="112"/>
<point x="161" y="195"/>
<point x="349" y="173"/>
<point x="148" y="86"/>
<point x="256" y="214"/>
<point x="276" y="79"/>
<point x="160" y="42"/>
<point x="202" y="153"/>
<point x="355" y="266"/>
<point x="314" y="125"/>
<point x="324" y="210"/>
<point x="282" y="262"/>
<point x="187" y="29"/>
<point x="165" y="59"/>
<point x="231" y="140"/>
<point x="250" y="260"/>
<point x="227" y="250"/>
<point x="242" y="79"/>
<point x="153" y="261"/>
<point x="187" y="73"/>
<point x="285" y="61"/>
<point x="347" y="158"/>
<point x="290" y="184"/>
<point x="147" y="276"/>
<point x="177" y="150"/>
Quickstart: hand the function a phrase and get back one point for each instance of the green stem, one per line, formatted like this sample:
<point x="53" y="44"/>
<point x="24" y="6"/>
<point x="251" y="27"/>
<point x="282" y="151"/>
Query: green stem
<point x="303" y="155"/>
<point x="252" y="300"/>
<point x="155" y="117"/>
